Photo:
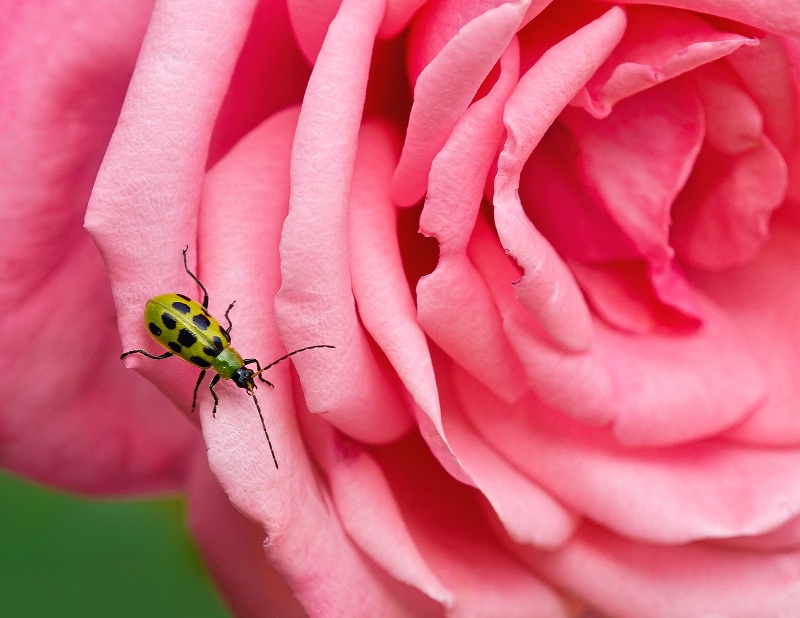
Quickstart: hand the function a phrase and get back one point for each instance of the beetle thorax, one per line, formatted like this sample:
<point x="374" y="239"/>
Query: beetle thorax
<point x="227" y="363"/>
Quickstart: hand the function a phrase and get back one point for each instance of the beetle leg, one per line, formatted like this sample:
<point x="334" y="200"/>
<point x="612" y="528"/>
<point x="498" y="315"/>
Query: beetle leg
<point x="147" y="354"/>
<point x="192" y="275"/>
<point x="196" y="386"/>
<point x="230" y="326"/>
<point x="211" y="385"/>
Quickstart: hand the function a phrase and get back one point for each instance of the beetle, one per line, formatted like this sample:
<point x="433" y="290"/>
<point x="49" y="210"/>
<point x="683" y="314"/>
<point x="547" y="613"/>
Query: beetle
<point x="186" y="329"/>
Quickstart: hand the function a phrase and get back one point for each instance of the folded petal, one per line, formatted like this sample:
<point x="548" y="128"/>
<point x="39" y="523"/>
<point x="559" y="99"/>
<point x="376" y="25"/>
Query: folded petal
<point x="315" y="302"/>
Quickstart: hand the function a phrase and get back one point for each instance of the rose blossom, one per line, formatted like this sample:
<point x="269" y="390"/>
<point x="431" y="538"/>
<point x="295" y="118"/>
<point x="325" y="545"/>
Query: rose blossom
<point x="577" y="394"/>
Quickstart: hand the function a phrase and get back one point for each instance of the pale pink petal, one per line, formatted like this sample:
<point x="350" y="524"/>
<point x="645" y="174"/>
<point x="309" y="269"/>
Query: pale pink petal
<point x="547" y="289"/>
<point x="445" y="89"/>
<point x="315" y="302"/>
<point x="453" y="304"/>
<point x="722" y="218"/>
<point x="305" y="540"/>
<point x="626" y="579"/>
<point x="659" y="44"/>
<point x="671" y="495"/>
<point x="763" y="299"/>
<point x="451" y="533"/>
<point x="233" y="550"/>
<point x="71" y="416"/>
<point x="773" y="15"/>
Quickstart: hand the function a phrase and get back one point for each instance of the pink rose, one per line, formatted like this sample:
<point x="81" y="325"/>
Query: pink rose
<point x="578" y="394"/>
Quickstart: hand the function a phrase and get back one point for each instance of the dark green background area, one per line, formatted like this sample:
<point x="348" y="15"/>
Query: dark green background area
<point x="67" y="556"/>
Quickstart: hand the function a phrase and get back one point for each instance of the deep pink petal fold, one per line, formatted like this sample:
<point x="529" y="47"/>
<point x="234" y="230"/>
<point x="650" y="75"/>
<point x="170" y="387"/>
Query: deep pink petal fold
<point x="310" y="20"/>
<point x="315" y="303"/>
<point x="547" y="289"/>
<point x="305" y="540"/>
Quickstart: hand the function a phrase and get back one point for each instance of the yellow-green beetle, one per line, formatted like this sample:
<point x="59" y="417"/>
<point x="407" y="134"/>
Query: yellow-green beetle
<point x="186" y="329"/>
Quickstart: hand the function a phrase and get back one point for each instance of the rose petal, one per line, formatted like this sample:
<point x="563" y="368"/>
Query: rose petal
<point x="761" y="299"/>
<point x="624" y="294"/>
<point x="670" y="495"/>
<point x="310" y="22"/>
<point x="475" y="337"/>
<point x="71" y="417"/>
<point x="398" y="14"/>
<point x="771" y="80"/>
<point x="315" y="302"/>
<point x="232" y="547"/>
<point x="528" y="512"/>
<point x="630" y="580"/>
<point x="143" y="203"/>
<point x="306" y="542"/>
<point x="659" y="44"/>
<point x="384" y="301"/>
<point x="451" y="534"/>
<point x="722" y="218"/>
<point x="637" y="160"/>
<point x="771" y="15"/>
<point x="547" y="289"/>
<point x="368" y="509"/>
<point x="270" y="75"/>
<point x="444" y="90"/>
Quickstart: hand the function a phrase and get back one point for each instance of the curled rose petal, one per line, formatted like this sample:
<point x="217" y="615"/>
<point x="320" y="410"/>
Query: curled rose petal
<point x="314" y="243"/>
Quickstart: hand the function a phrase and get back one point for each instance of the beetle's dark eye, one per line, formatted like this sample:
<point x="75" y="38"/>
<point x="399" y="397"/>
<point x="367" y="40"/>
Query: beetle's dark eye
<point x="243" y="377"/>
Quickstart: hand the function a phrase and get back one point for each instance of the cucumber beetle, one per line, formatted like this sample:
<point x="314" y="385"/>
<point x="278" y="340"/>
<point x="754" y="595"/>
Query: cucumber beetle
<point x="185" y="329"/>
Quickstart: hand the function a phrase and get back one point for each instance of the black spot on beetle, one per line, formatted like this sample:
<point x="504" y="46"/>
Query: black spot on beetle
<point x="175" y="347"/>
<point x="217" y="342"/>
<point x="168" y="320"/>
<point x="182" y="307"/>
<point x="200" y="362"/>
<point x="212" y="352"/>
<point x="201" y="321"/>
<point x="154" y="329"/>
<point x="183" y="297"/>
<point x="186" y="338"/>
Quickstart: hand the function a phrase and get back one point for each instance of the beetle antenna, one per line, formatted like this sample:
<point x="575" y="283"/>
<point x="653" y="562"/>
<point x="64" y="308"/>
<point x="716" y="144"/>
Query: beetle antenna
<point x="283" y="358"/>
<point x="264" y="425"/>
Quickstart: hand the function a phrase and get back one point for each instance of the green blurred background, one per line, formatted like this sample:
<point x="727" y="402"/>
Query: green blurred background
<point x="67" y="556"/>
